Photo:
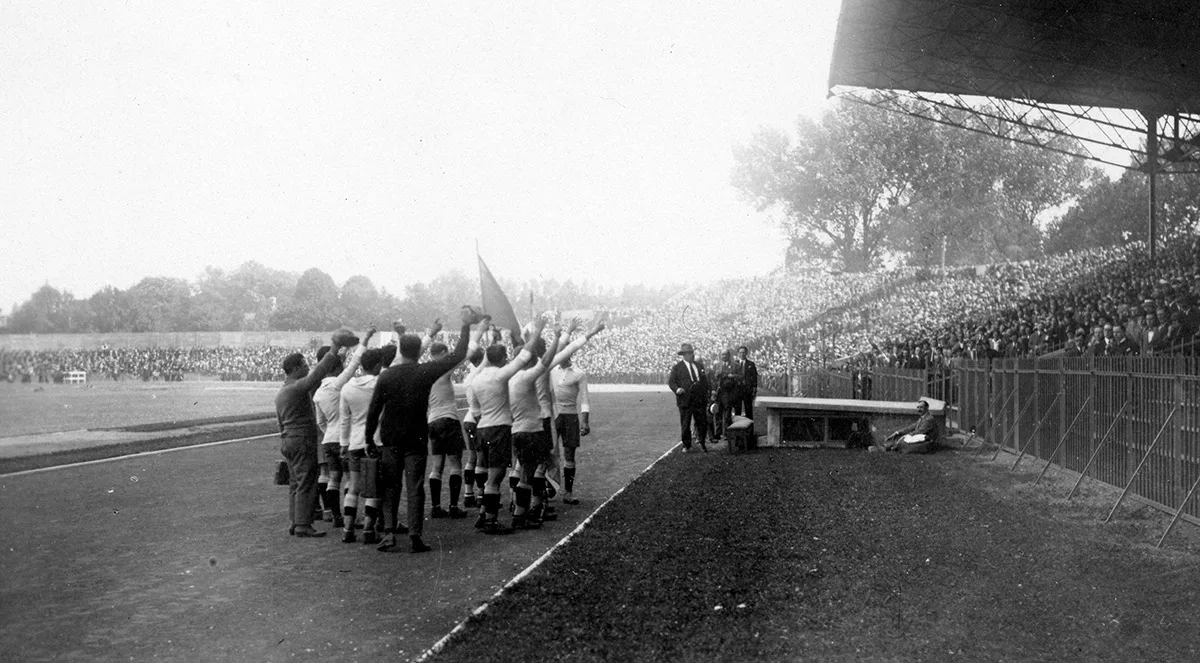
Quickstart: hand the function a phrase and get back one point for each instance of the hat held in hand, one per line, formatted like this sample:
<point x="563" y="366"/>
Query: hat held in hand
<point x="345" y="338"/>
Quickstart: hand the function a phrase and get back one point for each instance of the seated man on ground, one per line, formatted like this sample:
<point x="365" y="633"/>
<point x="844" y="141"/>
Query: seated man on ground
<point x="918" y="438"/>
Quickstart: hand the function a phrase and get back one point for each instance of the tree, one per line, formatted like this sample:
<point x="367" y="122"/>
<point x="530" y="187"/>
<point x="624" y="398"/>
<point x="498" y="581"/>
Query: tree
<point x="863" y="181"/>
<point x="159" y="304"/>
<point x="845" y="182"/>
<point x="1113" y="212"/>
<point x="315" y="304"/>
<point x="111" y="310"/>
<point x="48" y="310"/>
<point x="362" y="304"/>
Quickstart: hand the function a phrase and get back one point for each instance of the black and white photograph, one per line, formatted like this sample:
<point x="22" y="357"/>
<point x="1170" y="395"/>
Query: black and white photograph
<point x="810" y="330"/>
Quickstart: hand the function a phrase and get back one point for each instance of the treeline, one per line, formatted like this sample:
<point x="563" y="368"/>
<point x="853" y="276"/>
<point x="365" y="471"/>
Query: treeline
<point x="862" y="183"/>
<point x="255" y="297"/>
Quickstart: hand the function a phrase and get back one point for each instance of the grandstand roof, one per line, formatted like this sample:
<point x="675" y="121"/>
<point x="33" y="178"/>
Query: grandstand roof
<point x="1065" y="57"/>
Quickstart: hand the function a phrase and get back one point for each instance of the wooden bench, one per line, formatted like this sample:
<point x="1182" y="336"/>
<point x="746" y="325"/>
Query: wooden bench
<point x="837" y="422"/>
<point x="74" y="377"/>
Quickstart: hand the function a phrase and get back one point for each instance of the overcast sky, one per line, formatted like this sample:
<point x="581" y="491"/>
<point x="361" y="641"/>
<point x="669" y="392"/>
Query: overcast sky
<point x="571" y="140"/>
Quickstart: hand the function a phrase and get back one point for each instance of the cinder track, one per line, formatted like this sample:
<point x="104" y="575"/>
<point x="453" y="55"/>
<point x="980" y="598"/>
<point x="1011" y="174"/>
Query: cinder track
<point x="185" y="556"/>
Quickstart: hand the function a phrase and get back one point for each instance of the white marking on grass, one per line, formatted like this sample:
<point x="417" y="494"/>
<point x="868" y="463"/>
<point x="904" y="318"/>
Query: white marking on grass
<point x="441" y="644"/>
<point x="143" y="453"/>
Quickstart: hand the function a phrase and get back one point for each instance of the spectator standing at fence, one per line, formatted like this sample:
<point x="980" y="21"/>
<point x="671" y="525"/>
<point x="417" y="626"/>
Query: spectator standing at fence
<point x="749" y="372"/>
<point x="1153" y="336"/>
<point x="690" y="386"/>
<point x="1121" y="346"/>
<point x="299" y="435"/>
<point x="1096" y="344"/>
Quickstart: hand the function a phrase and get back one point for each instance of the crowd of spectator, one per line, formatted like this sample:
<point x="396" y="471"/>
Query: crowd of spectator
<point x="1106" y="302"/>
<point x="755" y="312"/>
<point x="146" y="364"/>
<point x="1079" y="303"/>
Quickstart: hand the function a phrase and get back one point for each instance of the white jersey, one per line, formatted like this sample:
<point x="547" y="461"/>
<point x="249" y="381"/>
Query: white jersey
<point x="442" y="403"/>
<point x="356" y="400"/>
<point x="469" y="417"/>
<point x="523" y="399"/>
<point x="570" y="390"/>
<point x="488" y="397"/>
<point x="327" y="397"/>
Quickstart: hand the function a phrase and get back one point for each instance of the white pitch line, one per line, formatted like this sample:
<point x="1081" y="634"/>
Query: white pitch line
<point x="440" y="644"/>
<point x="143" y="453"/>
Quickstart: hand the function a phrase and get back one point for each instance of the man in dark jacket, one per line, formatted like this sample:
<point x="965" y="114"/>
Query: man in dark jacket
<point x="398" y="409"/>
<point x="690" y="386"/>
<point x="919" y="437"/>
<point x="298" y="434"/>
<point x="749" y="371"/>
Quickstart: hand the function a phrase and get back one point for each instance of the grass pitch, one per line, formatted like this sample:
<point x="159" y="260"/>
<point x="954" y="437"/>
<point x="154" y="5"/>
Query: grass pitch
<point x="28" y="409"/>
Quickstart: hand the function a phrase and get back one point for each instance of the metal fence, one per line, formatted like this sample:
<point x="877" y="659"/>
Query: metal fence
<point x="1132" y="422"/>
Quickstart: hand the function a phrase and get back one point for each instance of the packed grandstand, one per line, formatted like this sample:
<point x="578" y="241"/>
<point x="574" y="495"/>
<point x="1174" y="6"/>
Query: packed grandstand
<point x="796" y="321"/>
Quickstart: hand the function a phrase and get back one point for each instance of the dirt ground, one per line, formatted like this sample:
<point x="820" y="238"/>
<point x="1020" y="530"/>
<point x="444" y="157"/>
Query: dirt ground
<point x="830" y="555"/>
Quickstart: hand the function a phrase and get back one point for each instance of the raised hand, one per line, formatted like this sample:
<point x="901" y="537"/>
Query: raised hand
<point x="539" y="323"/>
<point x="469" y="315"/>
<point x="597" y="328"/>
<point x="398" y="327"/>
<point x="437" y="327"/>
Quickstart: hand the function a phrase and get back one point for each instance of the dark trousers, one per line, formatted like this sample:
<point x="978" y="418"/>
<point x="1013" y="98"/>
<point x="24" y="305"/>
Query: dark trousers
<point x="300" y="451"/>
<point x="747" y="403"/>
<point x="687" y="416"/>
<point x="400" y="467"/>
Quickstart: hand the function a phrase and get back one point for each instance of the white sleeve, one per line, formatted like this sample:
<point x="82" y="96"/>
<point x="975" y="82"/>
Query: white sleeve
<point x="582" y="400"/>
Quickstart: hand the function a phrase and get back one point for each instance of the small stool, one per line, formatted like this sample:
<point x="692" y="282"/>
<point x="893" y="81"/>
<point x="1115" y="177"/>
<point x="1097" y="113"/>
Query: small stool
<point x="740" y="435"/>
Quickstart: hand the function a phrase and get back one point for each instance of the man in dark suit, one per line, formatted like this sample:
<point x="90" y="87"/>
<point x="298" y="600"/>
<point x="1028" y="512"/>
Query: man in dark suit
<point x="690" y="386"/>
<point x="1121" y="345"/>
<point x="1153" y="337"/>
<point x="749" y="371"/>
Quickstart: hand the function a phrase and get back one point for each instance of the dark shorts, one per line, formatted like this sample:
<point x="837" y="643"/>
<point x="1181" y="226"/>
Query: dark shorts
<point x="495" y="446"/>
<point x="472" y="439"/>
<point x="532" y="449"/>
<point x="331" y="455"/>
<point x="567" y="426"/>
<point x="354" y="460"/>
<point x="446" y="437"/>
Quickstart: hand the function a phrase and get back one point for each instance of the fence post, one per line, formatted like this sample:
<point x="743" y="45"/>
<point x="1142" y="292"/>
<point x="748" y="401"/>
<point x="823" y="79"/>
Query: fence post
<point x="1033" y="434"/>
<point x="1145" y="457"/>
<point x="1062" y="413"/>
<point x="1064" y="437"/>
<point x="1134" y="411"/>
<point x="1016" y="422"/>
<point x="1177" y="441"/>
<point x="1096" y="452"/>
<point x="1010" y="430"/>
<point x="1179" y="512"/>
